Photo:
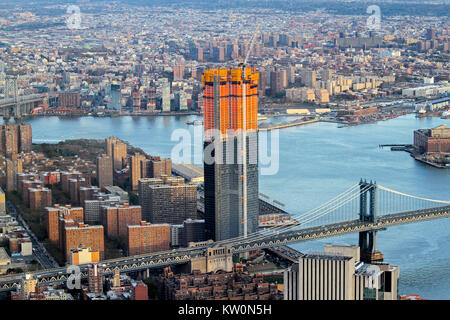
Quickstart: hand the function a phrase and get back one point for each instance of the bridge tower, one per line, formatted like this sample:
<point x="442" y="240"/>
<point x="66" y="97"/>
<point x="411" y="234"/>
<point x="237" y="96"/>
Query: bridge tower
<point x="2" y="77"/>
<point x="368" y="213"/>
<point x="10" y="92"/>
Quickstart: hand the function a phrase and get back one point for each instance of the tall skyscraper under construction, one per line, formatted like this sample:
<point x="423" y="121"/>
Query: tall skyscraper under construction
<point x="224" y="177"/>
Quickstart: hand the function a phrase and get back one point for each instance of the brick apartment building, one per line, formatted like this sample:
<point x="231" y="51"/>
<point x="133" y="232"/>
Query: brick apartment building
<point x="143" y="167"/>
<point x="15" y="138"/>
<point x="116" y="219"/>
<point x="40" y="198"/>
<point x="135" y="169"/>
<point x="234" y="285"/>
<point x="117" y="150"/>
<point x="66" y="176"/>
<point x="69" y="99"/>
<point x="83" y="235"/>
<point x="104" y="171"/>
<point x="55" y="214"/>
<point x="147" y="238"/>
<point x="167" y="200"/>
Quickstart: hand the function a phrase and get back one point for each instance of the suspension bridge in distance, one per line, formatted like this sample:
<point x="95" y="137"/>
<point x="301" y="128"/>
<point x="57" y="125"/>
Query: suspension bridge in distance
<point x="14" y="105"/>
<point x="365" y="208"/>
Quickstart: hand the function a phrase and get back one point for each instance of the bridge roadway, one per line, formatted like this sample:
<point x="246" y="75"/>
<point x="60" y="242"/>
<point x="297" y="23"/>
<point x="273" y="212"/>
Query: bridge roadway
<point x="20" y="100"/>
<point x="20" y="105"/>
<point x="161" y="259"/>
<point x="340" y="228"/>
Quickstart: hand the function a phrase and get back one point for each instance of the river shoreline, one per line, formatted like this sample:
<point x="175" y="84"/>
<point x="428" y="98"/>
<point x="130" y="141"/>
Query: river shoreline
<point x="316" y="162"/>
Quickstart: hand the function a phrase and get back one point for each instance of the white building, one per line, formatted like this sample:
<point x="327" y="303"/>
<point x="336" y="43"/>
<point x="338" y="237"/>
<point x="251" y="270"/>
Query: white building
<point x="337" y="275"/>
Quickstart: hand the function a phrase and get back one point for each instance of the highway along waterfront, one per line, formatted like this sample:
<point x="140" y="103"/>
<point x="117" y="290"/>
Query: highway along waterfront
<point x="318" y="161"/>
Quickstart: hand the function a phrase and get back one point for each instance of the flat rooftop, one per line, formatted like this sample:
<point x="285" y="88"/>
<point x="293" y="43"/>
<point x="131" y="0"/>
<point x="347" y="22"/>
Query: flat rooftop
<point x="368" y="270"/>
<point x="324" y="256"/>
<point x="115" y="189"/>
<point x="187" y="170"/>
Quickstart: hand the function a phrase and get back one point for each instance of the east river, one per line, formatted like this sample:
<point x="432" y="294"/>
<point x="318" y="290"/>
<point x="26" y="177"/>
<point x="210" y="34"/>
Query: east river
<point x="317" y="162"/>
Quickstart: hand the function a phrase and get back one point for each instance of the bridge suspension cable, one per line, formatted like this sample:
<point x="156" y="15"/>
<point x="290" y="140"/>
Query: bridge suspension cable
<point x="411" y="196"/>
<point x="304" y="221"/>
<point x="305" y="218"/>
<point x="295" y="217"/>
<point x="393" y="199"/>
<point x="285" y="229"/>
<point x="326" y="204"/>
<point x="353" y="197"/>
<point x="322" y="210"/>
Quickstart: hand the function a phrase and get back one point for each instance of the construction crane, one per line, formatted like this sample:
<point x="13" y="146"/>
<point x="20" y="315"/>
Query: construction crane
<point x="244" y="133"/>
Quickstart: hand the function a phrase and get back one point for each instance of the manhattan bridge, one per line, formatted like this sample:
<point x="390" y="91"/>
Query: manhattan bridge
<point x="363" y="208"/>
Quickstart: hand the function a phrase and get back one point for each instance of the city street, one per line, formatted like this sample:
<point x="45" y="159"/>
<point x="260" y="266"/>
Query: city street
<point x="39" y="251"/>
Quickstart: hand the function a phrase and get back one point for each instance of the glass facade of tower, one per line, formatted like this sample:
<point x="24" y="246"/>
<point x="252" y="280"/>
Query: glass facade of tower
<point x="223" y="111"/>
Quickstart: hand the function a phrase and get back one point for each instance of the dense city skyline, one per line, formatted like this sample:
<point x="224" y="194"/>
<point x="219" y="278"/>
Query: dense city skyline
<point x="205" y="151"/>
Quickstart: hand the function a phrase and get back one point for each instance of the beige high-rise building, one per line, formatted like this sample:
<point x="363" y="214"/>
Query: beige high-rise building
<point x="135" y="169"/>
<point x="116" y="149"/>
<point x="13" y="167"/>
<point x="291" y="74"/>
<point x="284" y="78"/>
<point x="119" y="153"/>
<point x="15" y="138"/>
<point x="104" y="171"/>
<point x="141" y="167"/>
<point x="109" y="143"/>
